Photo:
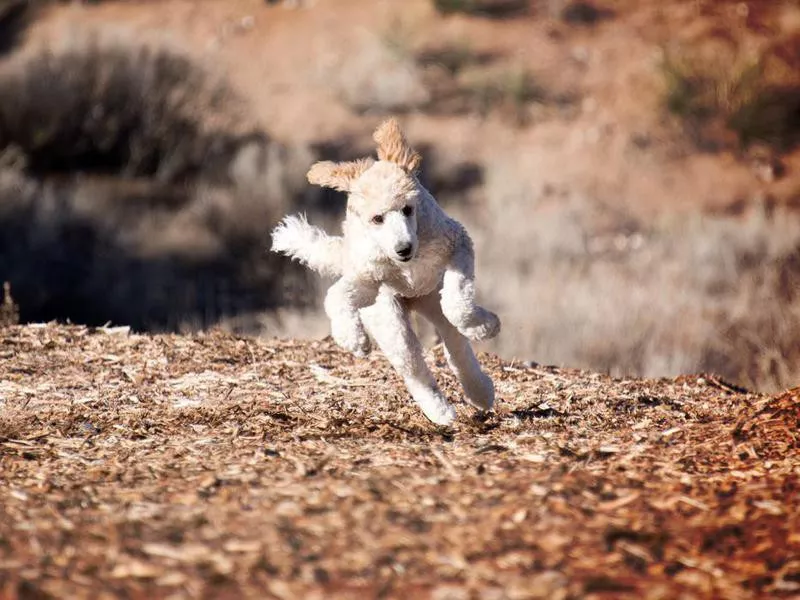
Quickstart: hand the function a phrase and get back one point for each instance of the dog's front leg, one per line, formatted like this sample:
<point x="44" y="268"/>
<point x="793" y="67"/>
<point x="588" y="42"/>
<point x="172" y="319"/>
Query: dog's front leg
<point x="458" y="295"/>
<point x="342" y="303"/>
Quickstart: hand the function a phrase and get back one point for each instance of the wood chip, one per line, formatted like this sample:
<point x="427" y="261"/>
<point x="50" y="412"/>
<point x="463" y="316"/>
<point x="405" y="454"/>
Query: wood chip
<point x="156" y="466"/>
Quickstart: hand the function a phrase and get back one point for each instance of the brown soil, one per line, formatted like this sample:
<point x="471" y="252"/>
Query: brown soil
<point x="210" y="466"/>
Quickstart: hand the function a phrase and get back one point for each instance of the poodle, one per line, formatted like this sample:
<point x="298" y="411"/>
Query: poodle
<point x="399" y="253"/>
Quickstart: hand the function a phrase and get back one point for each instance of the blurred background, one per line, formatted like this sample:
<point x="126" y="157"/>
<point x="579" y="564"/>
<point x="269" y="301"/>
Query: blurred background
<point x="629" y="169"/>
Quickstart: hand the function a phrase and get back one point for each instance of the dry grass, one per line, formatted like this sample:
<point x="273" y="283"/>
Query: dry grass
<point x="580" y="285"/>
<point x="381" y="76"/>
<point x="188" y="467"/>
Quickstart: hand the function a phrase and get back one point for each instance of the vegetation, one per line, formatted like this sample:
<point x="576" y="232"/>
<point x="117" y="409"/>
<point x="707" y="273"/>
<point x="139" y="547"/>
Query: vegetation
<point x="15" y="15"/>
<point x="488" y="8"/>
<point x="603" y="290"/>
<point x="510" y="91"/>
<point x="449" y="78"/>
<point x="9" y="311"/>
<point x="130" y="193"/>
<point x="132" y="190"/>
<point x="748" y="98"/>
<point x="137" y="111"/>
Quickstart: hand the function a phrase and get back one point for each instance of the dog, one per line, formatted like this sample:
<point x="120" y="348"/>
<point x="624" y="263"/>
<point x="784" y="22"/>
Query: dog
<point x="399" y="252"/>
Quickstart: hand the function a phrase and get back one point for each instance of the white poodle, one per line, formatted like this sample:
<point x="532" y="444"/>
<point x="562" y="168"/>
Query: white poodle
<point x="399" y="252"/>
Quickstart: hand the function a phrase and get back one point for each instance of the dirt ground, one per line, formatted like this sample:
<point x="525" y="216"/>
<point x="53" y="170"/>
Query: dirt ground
<point x="141" y="466"/>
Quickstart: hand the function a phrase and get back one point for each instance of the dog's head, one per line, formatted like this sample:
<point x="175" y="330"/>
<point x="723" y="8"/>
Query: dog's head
<point x="382" y="194"/>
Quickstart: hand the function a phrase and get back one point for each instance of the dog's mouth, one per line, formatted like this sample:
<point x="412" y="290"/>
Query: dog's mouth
<point x="404" y="259"/>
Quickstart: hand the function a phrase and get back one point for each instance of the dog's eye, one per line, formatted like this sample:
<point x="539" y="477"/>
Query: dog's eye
<point x="377" y="219"/>
<point x="408" y="211"/>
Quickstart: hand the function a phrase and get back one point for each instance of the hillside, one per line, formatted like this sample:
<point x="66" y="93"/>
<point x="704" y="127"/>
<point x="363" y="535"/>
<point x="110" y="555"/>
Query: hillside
<point x="581" y="95"/>
<point x="622" y="166"/>
<point x="207" y="465"/>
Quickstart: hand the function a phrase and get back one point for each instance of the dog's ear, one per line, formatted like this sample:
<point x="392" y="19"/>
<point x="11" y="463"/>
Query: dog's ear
<point x="393" y="146"/>
<point x="339" y="176"/>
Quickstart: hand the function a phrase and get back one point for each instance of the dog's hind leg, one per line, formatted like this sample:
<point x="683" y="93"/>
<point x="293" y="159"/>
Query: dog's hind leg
<point x="478" y="386"/>
<point x="388" y="322"/>
<point x="458" y="295"/>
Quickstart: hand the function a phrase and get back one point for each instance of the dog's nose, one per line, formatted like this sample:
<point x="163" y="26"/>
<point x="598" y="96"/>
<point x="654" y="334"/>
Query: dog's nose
<point x="404" y="251"/>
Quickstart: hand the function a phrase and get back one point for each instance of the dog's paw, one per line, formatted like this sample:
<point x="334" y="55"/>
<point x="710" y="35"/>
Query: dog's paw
<point x="357" y="343"/>
<point x="351" y="336"/>
<point x="440" y="413"/>
<point x="480" y="392"/>
<point x="434" y="405"/>
<point x="483" y="326"/>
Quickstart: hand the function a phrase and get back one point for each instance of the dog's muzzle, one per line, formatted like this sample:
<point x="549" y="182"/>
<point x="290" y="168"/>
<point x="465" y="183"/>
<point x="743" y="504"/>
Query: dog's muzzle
<point x="404" y="252"/>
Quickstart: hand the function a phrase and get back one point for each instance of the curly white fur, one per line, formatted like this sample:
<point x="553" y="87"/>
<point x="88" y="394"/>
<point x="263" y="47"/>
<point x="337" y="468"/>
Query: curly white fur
<point x="399" y="252"/>
<point x="295" y="237"/>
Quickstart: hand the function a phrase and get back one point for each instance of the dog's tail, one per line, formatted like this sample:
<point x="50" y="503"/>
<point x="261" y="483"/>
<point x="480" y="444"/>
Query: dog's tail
<point x="298" y="239"/>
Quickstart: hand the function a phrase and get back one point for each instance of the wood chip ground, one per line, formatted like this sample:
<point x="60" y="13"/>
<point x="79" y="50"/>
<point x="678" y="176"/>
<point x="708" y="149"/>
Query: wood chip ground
<point x="208" y="466"/>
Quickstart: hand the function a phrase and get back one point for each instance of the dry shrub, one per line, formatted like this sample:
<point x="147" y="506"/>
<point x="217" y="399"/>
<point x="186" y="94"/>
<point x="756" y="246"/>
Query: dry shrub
<point x="129" y="193"/>
<point x="138" y="253"/>
<point x="508" y="91"/>
<point x="464" y="81"/>
<point x="579" y="12"/>
<point x="121" y="109"/>
<point x="497" y="9"/>
<point x="579" y="285"/>
<point x="725" y="96"/>
<point x="15" y="16"/>
<point x="394" y="73"/>
<point x="9" y="310"/>
<point x="453" y="57"/>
